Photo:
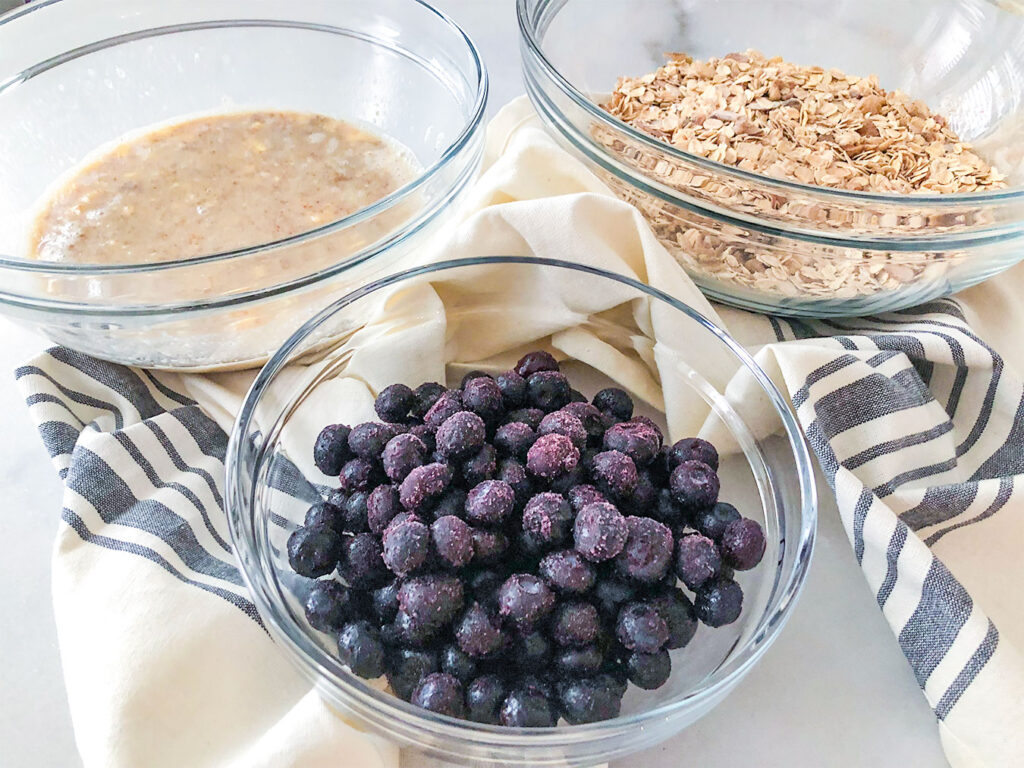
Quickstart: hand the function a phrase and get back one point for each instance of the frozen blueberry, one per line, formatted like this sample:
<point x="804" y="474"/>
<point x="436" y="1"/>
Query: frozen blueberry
<point x="361" y="650"/>
<point x="326" y="515"/>
<point x="678" y="612"/>
<point x="480" y="466"/>
<point x="533" y="362"/>
<point x="548" y="518"/>
<point x="547" y="390"/>
<point x="694" y="485"/>
<point x="478" y="633"/>
<point x="513" y="389"/>
<point x="649" y="670"/>
<point x="614" y="474"/>
<point x="563" y="423"/>
<point x="532" y="682"/>
<point x="484" y="696"/>
<point x="614" y="402"/>
<point x="697" y="560"/>
<point x="719" y="602"/>
<point x="659" y="469"/>
<point x="590" y="418"/>
<point x="589" y="700"/>
<point x="356" y="475"/>
<point x="446" y="406"/>
<point x="393" y="403"/>
<point x="424" y="484"/>
<point x="713" y="522"/>
<point x="411" y="633"/>
<point x="579" y="662"/>
<point x="354" y="513"/>
<point x="406" y="545"/>
<point x="328" y="605"/>
<point x="665" y="510"/>
<point x="581" y="495"/>
<point x="484" y="585"/>
<point x="432" y="600"/>
<point x="381" y="507"/>
<point x="552" y="455"/>
<point x="361" y="565"/>
<point x="514" y="440"/>
<point x="384" y="601"/>
<point x="652" y="425"/>
<point x="314" y="552"/>
<point x="490" y="502"/>
<point x="407" y="666"/>
<point x="483" y="397"/>
<point x="568" y="572"/>
<point x="453" y="540"/>
<point x="524" y="599"/>
<point x="647" y="554"/>
<point x="743" y="544"/>
<point x="532" y="651"/>
<point x="575" y="624"/>
<point x="531" y="417"/>
<point x="693" y="449"/>
<point x="458" y="663"/>
<point x="426" y="436"/>
<point x="611" y="594"/>
<point x="461" y="435"/>
<point x="330" y="452"/>
<point x="641" y="628"/>
<point x="367" y="440"/>
<point x="488" y="546"/>
<point x="645" y="495"/>
<point x="514" y="473"/>
<point x="565" y="482"/>
<point x="474" y="374"/>
<point x="527" y="709"/>
<point x="452" y="502"/>
<point x="600" y="532"/>
<point x="635" y="439"/>
<point x="424" y="397"/>
<point x="441" y="693"/>
<point x="401" y="455"/>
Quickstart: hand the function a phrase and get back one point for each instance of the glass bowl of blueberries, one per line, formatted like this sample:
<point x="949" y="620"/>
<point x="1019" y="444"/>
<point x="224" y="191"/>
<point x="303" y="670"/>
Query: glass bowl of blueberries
<point x="519" y="511"/>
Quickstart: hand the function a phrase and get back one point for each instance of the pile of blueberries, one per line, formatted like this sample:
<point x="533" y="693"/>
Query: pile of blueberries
<point x="509" y="553"/>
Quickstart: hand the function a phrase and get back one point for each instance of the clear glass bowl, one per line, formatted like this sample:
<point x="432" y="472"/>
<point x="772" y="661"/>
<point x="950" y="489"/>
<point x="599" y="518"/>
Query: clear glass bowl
<point x="436" y="323"/>
<point x="76" y="74"/>
<point x="778" y="246"/>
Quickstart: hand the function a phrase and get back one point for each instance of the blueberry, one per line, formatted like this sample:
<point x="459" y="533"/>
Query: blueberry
<point x="401" y="455"/>
<point x="367" y="440"/>
<point x="458" y="663"/>
<point x="697" y="560"/>
<point x="547" y="390"/>
<point x="513" y="389"/>
<point x="652" y="425"/>
<point x="614" y="474"/>
<point x="480" y="466"/>
<point x="660" y="469"/>
<point x="693" y="449"/>
<point x="614" y="402"/>
<point x="478" y="633"/>
<point x="548" y="518"/>
<point x="354" y="513"/>
<point x="531" y="417"/>
<point x="564" y="483"/>
<point x="441" y="693"/>
<point x="533" y="362"/>
<point x="644" y="498"/>
<point x="314" y="552"/>
<point x="589" y="700"/>
<point x="446" y="406"/>
<point x="362" y="566"/>
<point x="325" y="515"/>
<point x="579" y="662"/>
<point x="665" y="510"/>
<point x="575" y="396"/>
<point x="640" y="627"/>
<point x="600" y="532"/>
<point x="712" y="522"/>
<point x="524" y="599"/>
<point x="484" y="585"/>
<point x="328" y="605"/>
<point x="743" y="544"/>
<point x="649" y="670"/>
<point x="532" y="651"/>
<point x="582" y="495"/>
<point x="647" y="554"/>
<point x="563" y="423"/>
<point x="527" y="709"/>
<point x="488" y="546"/>
<point x="407" y="666"/>
<point x="385" y="601"/>
<point x="406" y="545"/>
<point x="361" y="650"/>
<point x="483" y="397"/>
<point x="461" y="435"/>
<point x="453" y="540"/>
<point x="568" y="572"/>
<point x="408" y="632"/>
<point x="381" y="507"/>
<point x="635" y="439"/>
<point x="394" y="402"/>
<point x="452" y="502"/>
<point x="719" y="602"/>
<point x="424" y="397"/>
<point x="590" y="418"/>
<point x="534" y="683"/>
<point x="694" y="485"/>
<point x="356" y="475"/>
<point x="514" y="440"/>
<point x="490" y="502"/>
<point x="330" y="452"/>
<point x="424" y="484"/>
<point x="483" y="698"/>
<point x="432" y="600"/>
<point x="552" y="455"/>
<point x="426" y="436"/>
<point x="512" y="472"/>
<point x="474" y="374"/>
<point x="575" y="624"/>
<point x="610" y="594"/>
<point x="678" y="612"/>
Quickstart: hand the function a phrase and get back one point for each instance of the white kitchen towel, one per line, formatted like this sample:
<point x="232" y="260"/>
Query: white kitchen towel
<point x="917" y="422"/>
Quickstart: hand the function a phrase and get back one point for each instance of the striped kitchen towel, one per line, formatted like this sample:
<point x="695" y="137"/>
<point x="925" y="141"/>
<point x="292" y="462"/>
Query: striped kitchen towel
<point x="916" y="421"/>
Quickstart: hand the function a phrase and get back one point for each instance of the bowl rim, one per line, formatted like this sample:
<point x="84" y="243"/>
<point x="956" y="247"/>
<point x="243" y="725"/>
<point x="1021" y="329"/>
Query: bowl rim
<point x="534" y="47"/>
<point x="469" y="129"/>
<point x="310" y="657"/>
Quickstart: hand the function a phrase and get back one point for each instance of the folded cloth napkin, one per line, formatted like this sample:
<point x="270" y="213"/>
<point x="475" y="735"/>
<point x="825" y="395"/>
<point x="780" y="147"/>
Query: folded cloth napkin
<point x="915" y="419"/>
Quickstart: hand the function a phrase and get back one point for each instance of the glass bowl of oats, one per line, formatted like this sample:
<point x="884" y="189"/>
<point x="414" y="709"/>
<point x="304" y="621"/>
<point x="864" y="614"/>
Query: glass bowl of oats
<point x="183" y="184"/>
<point x="799" y="158"/>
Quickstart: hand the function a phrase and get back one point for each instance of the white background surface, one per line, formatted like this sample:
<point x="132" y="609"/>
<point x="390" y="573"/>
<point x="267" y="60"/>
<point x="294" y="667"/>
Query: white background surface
<point x="833" y="691"/>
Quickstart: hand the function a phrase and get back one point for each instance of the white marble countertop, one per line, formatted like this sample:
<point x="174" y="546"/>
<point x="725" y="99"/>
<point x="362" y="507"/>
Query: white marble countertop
<point x="833" y="691"/>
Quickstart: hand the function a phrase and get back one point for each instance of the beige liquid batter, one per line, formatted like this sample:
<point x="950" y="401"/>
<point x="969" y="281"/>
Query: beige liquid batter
<point x="216" y="184"/>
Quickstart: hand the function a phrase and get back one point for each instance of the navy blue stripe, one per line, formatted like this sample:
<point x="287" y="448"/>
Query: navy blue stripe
<point x="860" y="513"/>
<point x="211" y="439"/>
<point x="72" y="395"/>
<point x="45" y="397"/>
<point x="940" y="503"/>
<point x="897" y="444"/>
<point x="869" y="398"/>
<point x="59" y="437"/>
<point x="179" y="463"/>
<point x="918" y="473"/>
<point x="167" y="391"/>
<point x="119" y="378"/>
<point x="975" y="664"/>
<point x="1009" y="458"/>
<point x="1002" y="496"/>
<point x="779" y="333"/>
<point x="892" y="556"/>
